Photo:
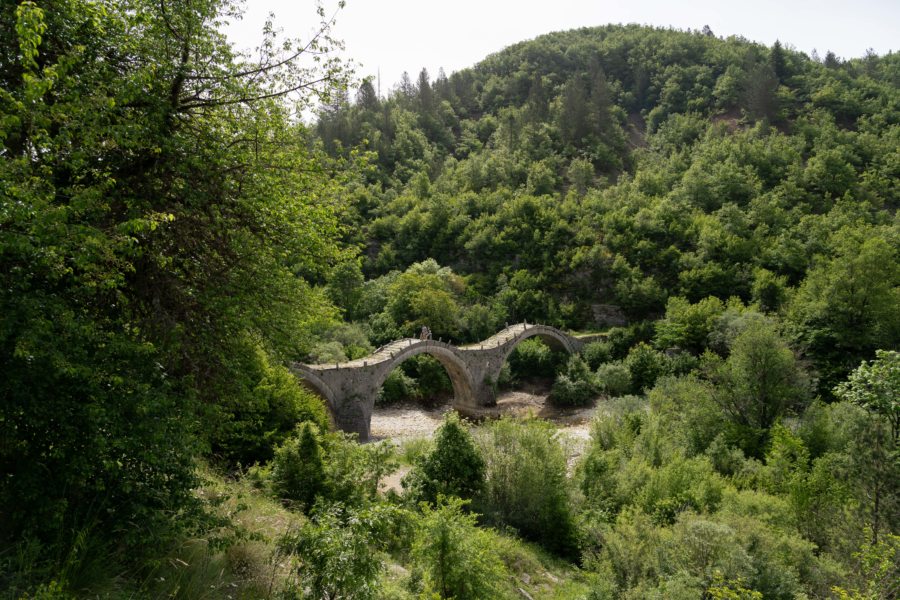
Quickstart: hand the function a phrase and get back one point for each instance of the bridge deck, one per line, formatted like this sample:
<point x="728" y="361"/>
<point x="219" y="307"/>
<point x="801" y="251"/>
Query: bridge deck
<point x="389" y="351"/>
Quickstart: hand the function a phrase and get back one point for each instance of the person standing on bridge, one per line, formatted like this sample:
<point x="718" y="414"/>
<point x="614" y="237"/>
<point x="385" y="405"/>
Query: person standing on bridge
<point x="425" y="334"/>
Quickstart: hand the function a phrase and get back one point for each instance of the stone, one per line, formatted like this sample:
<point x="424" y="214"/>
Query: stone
<point x="350" y="388"/>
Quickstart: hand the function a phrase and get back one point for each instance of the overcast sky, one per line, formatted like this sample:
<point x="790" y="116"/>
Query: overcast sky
<point x="405" y="35"/>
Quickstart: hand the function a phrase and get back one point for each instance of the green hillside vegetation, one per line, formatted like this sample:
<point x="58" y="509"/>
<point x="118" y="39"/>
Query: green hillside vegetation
<point x="172" y="235"/>
<point x="636" y="167"/>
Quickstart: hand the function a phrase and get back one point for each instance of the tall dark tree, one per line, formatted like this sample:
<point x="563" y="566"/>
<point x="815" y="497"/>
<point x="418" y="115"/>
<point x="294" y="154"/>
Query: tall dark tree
<point x="574" y="117"/>
<point x="760" y="100"/>
<point x="424" y="93"/>
<point x="778" y="61"/>
<point x="538" y="104"/>
<point x="366" y="98"/>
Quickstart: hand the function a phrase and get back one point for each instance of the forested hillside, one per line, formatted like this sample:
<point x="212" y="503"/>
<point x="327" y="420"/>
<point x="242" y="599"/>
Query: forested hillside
<point x="172" y="236"/>
<point x="640" y="168"/>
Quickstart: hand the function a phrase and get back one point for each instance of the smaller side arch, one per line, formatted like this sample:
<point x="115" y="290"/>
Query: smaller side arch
<point x="553" y="338"/>
<point x="310" y="380"/>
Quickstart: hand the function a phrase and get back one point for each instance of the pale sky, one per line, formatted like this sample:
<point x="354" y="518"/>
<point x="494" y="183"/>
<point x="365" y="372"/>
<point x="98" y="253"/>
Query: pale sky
<point x="406" y="35"/>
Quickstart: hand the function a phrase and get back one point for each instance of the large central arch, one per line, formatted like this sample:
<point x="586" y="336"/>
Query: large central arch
<point x="457" y="371"/>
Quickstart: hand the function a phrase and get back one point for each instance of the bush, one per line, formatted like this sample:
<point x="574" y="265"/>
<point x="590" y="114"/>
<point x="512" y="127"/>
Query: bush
<point x="597" y="353"/>
<point x="621" y="339"/>
<point x="525" y="483"/>
<point x="251" y="424"/>
<point x="336" y="558"/>
<point x="432" y="381"/>
<point x="575" y="386"/>
<point x="613" y="379"/>
<point x="332" y="466"/>
<point x="687" y="325"/>
<point x="397" y="387"/>
<point x="298" y="470"/>
<point x="457" y="558"/>
<point x="532" y="359"/>
<point x="452" y="468"/>
<point x="645" y="365"/>
<point x="353" y="470"/>
<point x="682" y="484"/>
<point x="421" y="377"/>
<point x="688" y="406"/>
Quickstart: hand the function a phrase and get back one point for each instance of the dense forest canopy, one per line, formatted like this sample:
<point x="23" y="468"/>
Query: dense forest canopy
<point x="635" y="167"/>
<point x="172" y="236"/>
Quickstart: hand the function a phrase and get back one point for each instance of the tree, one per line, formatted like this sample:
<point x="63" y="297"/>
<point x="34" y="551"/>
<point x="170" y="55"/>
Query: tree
<point x="876" y="387"/>
<point x="457" y="557"/>
<point x="298" y="471"/>
<point x="688" y="325"/>
<point x="454" y="467"/>
<point x="160" y="207"/>
<point x="574" y="117"/>
<point x="366" y="97"/>
<point x="424" y="93"/>
<point x="525" y="483"/>
<point x="760" y="85"/>
<point x="778" y="61"/>
<point x="580" y="175"/>
<point x="758" y="382"/>
<point x="845" y="309"/>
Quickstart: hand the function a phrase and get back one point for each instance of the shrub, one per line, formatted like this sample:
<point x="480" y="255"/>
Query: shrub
<point x="597" y="353"/>
<point x="613" y="378"/>
<point x="336" y="554"/>
<point x="432" y="381"/>
<point x="456" y="557"/>
<point x="688" y="406"/>
<point x="250" y="425"/>
<point x="687" y="325"/>
<point x="353" y="470"/>
<point x="525" y="483"/>
<point x="621" y="339"/>
<point x="452" y="468"/>
<point x="575" y="386"/>
<point x="421" y="377"/>
<point x="645" y="365"/>
<point x="397" y="387"/>
<point x="298" y="470"/>
<point x="682" y="484"/>
<point x="332" y="466"/>
<point x="532" y="359"/>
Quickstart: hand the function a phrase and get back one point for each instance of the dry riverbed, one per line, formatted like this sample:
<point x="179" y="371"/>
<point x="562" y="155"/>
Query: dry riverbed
<point x="403" y="422"/>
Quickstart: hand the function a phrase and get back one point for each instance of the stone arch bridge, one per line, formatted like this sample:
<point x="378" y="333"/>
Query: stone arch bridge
<point x="350" y="388"/>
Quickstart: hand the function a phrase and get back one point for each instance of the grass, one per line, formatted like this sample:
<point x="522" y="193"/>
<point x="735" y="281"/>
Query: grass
<point x="234" y="563"/>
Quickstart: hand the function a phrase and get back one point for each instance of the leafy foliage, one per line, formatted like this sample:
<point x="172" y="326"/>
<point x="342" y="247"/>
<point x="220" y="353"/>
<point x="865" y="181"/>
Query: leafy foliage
<point x="333" y="554"/>
<point x="457" y="558"/>
<point x="454" y="466"/>
<point x="525" y="483"/>
<point x="151" y="253"/>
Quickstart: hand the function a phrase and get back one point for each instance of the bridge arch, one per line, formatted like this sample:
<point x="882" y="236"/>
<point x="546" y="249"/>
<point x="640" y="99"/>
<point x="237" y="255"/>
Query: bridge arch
<point x="457" y="371"/>
<point x="315" y="384"/>
<point x="554" y="338"/>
